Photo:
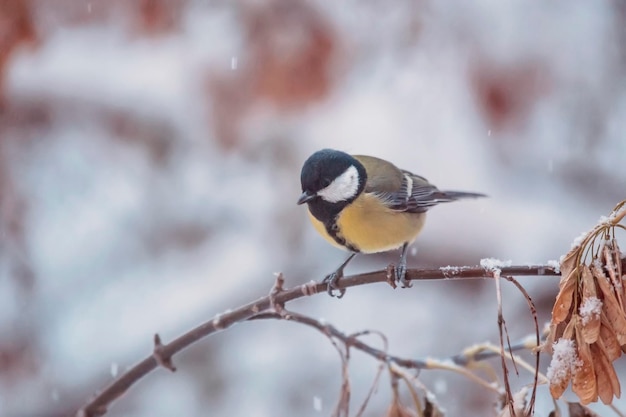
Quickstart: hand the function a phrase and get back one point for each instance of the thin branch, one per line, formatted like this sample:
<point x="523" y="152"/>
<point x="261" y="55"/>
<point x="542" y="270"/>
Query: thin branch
<point x="99" y="404"/>
<point x="381" y="368"/>
<point x="455" y="363"/>
<point x="504" y="331"/>
<point x="410" y="381"/>
<point x="533" y="311"/>
<point x="484" y="351"/>
<point x="494" y="267"/>
<point x="616" y="410"/>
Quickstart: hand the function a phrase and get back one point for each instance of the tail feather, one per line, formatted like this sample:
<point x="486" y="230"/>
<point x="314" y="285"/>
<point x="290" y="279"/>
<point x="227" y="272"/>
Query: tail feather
<point x="446" y="196"/>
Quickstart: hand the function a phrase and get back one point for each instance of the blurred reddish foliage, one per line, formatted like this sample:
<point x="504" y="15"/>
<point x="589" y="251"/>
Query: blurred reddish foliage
<point x="19" y="25"/>
<point x="16" y="27"/>
<point x="288" y="57"/>
<point x="159" y="16"/>
<point x="290" y="50"/>
<point x="506" y="94"/>
<point x="143" y="17"/>
<point x="17" y="359"/>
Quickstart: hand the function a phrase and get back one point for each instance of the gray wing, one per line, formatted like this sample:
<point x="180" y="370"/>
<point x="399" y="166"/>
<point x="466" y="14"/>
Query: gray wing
<point x="402" y="190"/>
<point x="417" y="195"/>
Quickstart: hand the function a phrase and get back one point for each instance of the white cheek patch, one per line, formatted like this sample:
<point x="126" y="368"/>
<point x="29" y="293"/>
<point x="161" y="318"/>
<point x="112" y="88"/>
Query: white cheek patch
<point x="344" y="187"/>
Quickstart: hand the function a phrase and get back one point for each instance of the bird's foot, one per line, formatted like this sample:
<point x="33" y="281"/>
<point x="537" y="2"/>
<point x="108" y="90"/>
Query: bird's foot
<point x="401" y="276"/>
<point x="332" y="281"/>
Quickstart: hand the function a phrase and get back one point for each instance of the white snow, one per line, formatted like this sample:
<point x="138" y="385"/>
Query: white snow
<point x="450" y="270"/>
<point x="114" y="369"/>
<point x="564" y="361"/>
<point x="494" y="265"/>
<point x="590" y="309"/>
<point x="555" y="264"/>
<point x="317" y="403"/>
<point x="579" y="239"/>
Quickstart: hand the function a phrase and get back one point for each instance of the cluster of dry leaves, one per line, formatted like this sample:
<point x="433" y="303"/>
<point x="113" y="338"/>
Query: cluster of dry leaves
<point x="589" y="315"/>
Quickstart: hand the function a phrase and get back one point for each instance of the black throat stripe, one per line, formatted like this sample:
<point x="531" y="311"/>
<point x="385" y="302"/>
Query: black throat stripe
<point x="333" y="230"/>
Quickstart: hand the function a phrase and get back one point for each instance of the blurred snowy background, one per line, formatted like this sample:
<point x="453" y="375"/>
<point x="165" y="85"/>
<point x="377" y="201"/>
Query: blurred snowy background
<point x="150" y="154"/>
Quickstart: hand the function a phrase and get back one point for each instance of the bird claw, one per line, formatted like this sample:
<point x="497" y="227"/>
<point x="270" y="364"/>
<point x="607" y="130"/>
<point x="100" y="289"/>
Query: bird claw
<point x="401" y="276"/>
<point x="332" y="281"/>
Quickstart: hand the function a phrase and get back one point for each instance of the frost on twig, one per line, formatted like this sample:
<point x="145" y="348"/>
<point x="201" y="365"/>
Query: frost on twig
<point x="494" y="265"/>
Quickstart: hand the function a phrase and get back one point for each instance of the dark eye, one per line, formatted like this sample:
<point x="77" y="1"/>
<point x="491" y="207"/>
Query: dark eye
<point x="325" y="182"/>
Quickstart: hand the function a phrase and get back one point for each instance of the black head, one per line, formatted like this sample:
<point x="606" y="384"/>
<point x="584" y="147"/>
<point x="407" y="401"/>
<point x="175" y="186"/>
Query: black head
<point x="331" y="179"/>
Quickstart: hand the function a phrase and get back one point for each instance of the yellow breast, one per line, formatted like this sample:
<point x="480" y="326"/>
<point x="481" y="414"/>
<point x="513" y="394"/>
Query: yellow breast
<point x="321" y="229"/>
<point x="372" y="227"/>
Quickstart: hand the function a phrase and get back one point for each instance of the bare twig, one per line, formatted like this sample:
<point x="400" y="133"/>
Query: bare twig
<point x="409" y="381"/>
<point x="99" y="403"/>
<point x="484" y="351"/>
<point x="533" y="312"/>
<point x="381" y="368"/>
<point x="277" y="288"/>
<point x="162" y="359"/>
<point x="343" y="404"/>
<point x="494" y="266"/>
<point x="495" y="351"/>
<point x="616" y="410"/>
<point x="455" y="363"/>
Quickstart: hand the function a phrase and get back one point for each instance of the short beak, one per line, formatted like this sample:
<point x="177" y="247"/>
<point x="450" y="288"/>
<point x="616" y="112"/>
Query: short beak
<point x="306" y="197"/>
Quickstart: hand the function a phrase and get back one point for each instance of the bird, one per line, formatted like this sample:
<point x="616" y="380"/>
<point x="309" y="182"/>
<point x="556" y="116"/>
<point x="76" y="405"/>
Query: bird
<point x="365" y="204"/>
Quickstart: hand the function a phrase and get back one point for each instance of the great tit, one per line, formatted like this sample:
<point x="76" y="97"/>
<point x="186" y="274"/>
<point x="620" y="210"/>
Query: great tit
<point x="366" y="205"/>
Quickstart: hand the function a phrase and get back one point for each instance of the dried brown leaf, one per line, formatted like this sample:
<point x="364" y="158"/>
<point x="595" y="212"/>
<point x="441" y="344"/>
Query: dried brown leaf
<point x="558" y="387"/>
<point x="608" y="339"/>
<point x="591" y="322"/>
<point x="557" y="331"/>
<point x="617" y="258"/>
<point x="568" y="333"/>
<point x="606" y="378"/>
<point x="614" y="312"/>
<point x="569" y="262"/>
<point x="584" y="379"/>
<point x="597" y="271"/>
<point x="563" y="302"/>
<point x="588" y="282"/>
<point x="591" y="329"/>
<point x="607" y="256"/>
<point x="610" y="260"/>
<point x="562" y="365"/>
